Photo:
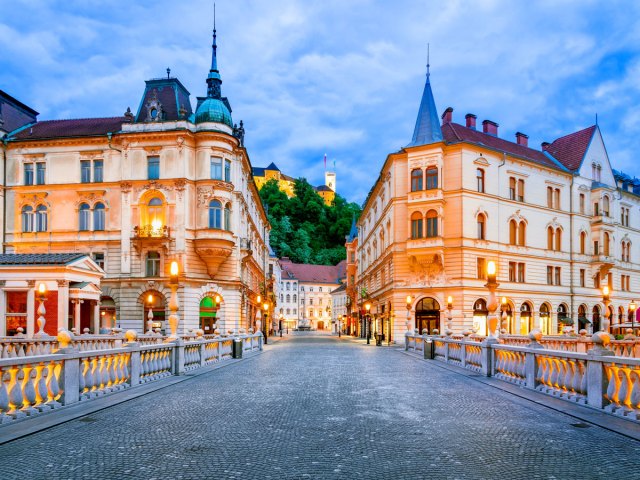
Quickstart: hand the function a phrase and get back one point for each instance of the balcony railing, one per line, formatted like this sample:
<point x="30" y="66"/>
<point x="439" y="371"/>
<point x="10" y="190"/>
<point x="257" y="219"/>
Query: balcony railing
<point x="149" y="231"/>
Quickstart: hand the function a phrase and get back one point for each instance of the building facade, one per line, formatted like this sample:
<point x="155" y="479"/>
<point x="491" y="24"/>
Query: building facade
<point x="139" y="191"/>
<point x="558" y="221"/>
<point x="339" y="308"/>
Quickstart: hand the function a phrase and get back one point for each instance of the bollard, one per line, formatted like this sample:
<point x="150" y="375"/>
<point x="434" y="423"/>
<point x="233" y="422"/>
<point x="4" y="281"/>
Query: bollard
<point x="428" y="348"/>
<point x="236" y="349"/>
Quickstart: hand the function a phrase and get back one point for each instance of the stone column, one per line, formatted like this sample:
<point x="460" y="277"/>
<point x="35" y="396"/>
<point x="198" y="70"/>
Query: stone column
<point x="3" y="309"/>
<point x="76" y="315"/>
<point x="96" y="317"/>
<point x="31" y="308"/>
<point x="63" y="304"/>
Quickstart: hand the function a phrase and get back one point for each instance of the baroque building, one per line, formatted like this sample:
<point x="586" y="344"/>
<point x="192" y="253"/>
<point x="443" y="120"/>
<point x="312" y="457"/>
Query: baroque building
<point x="137" y="192"/>
<point x="558" y="221"/>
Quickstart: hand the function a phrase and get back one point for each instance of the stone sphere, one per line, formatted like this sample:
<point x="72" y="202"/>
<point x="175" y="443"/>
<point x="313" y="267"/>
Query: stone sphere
<point x="629" y="331"/>
<point x="535" y="335"/>
<point x="601" y="338"/>
<point x="130" y="336"/>
<point x="583" y="332"/>
<point x="64" y="338"/>
<point x="435" y="331"/>
<point x="199" y="332"/>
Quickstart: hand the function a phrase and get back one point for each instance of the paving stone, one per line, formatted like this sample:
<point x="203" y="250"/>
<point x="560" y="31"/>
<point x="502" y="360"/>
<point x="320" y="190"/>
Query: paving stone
<point x="315" y="407"/>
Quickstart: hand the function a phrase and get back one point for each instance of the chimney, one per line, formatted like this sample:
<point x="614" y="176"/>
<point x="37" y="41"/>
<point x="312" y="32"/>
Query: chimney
<point x="471" y="120"/>
<point x="447" y="116"/>
<point x="544" y="146"/>
<point x="522" y="139"/>
<point x="490" y="128"/>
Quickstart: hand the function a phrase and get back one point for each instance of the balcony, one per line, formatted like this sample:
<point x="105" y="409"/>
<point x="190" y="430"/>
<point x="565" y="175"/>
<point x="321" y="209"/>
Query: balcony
<point x="425" y="248"/>
<point x="151" y="236"/>
<point x="603" y="261"/>
<point x="602" y="220"/>
<point x="214" y="246"/>
<point x="245" y="248"/>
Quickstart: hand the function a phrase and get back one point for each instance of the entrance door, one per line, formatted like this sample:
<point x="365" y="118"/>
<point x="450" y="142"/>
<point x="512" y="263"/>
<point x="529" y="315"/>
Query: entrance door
<point x="428" y="315"/>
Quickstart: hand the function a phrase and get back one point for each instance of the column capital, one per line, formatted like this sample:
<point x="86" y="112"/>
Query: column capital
<point x="63" y="283"/>
<point x="31" y="283"/>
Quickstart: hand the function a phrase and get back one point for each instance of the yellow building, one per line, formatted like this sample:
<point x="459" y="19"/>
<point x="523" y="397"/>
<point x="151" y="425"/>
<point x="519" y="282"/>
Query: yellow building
<point x="286" y="183"/>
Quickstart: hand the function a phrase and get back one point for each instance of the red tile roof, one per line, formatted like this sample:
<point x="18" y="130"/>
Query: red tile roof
<point x="456" y="133"/>
<point x="81" y="127"/>
<point x="305" y="272"/>
<point x="570" y="149"/>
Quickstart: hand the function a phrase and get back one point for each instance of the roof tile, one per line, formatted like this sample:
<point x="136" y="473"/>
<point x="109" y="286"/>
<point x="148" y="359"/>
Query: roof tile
<point x="570" y="149"/>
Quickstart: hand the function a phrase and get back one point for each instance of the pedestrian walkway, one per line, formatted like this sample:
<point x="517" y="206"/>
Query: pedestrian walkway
<point x="315" y="406"/>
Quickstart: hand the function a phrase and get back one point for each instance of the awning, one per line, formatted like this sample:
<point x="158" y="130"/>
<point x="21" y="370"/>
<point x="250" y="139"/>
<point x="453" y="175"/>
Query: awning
<point x="565" y="320"/>
<point x="584" y="320"/>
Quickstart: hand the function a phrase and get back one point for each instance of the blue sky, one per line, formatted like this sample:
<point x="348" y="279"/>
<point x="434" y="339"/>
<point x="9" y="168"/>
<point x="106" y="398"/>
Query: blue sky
<point x="339" y="77"/>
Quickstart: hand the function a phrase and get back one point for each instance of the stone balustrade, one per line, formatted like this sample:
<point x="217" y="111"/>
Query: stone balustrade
<point x="599" y="378"/>
<point x="36" y="383"/>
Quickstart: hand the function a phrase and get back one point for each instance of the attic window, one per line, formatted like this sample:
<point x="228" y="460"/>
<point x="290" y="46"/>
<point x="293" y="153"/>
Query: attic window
<point x="154" y="113"/>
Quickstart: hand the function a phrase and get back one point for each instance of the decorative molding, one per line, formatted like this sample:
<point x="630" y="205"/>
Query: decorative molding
<point x="153" y="185"/>
<point x="482" y="161"/>
<point x="125" y="187"/>
<point x="63" y="283"/>
<point x="91" y="155"/>
<point x="31" y="283"/>
<point x="154" y="150"/>
<point x="518" y="174"/>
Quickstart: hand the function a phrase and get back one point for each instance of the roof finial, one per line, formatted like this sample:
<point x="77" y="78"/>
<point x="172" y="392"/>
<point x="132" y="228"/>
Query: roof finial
<point x="596" y="118"/>
<point x="214" y="46"/>
<point x="214" y="17"/>
<point x="168" y="73"/>
<point x="428" y="62"/>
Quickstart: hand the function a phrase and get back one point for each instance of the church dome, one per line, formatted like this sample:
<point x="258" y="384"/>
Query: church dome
<point x="213" y="110"/>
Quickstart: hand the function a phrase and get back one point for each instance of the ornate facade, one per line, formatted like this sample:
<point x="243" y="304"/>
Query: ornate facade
<point x="558" y="221"/>
<point x="138" y="191"/>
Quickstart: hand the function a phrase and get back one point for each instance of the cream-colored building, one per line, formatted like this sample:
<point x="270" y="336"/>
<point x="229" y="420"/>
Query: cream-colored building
<point x="558" y="221"/>
<point x="139" y="191"/>
<point x="339" y="308"/>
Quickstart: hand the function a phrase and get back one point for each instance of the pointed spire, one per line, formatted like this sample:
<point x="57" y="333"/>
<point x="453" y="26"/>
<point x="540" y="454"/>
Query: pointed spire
<point x="353" y="234"/>
<point x="214" y="81"/>
<point x="427" y="129"/>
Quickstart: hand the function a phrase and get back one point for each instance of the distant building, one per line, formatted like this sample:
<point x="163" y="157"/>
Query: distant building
<point x="306" y="292"/>
<point x="558" y="221"/>
<point x="339" y="308"/>
<point x="14" y="114"/>
<point x="286" y="183"/>
<point x="353" y="297"/>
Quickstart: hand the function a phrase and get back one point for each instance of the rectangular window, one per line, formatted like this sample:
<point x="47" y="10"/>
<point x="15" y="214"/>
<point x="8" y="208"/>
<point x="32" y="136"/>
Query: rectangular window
<point x="556" y="198"/>
<point x="512" y="188"/>
<point x="480" y="179"/>
<point x="416" y="228"/>
<point x="582" y="277"/>
<point x="432" y="178"/>
<point x="432" y="227"/>
<point x="216" y="168"/>
<point x="596" y="248"/>
<point x="558" y="278"/>
<point x="610" y="281"/>
<point x="40" y="173"/>
<point x="85" y="171"/>
<point x="227" y="170"/>
<point x="549" y="197"/>
<point x="28" y="173"/>
<point x="596" y="281"/>
<point x="521" y="190"/>
<point x="98" y="257"/>
<point x="582" y="203"/>
<point x="153" y="168"/>
<point x="481" y="270"/>
<point x="512" y="271"/>
<point x="521" y="272"/>
<point x="153" y="264"/>
<point x="596" y="209"/>
<point x="97" y="171"/>
<point x="549" y="275"/>
<point x="311" y="301"/>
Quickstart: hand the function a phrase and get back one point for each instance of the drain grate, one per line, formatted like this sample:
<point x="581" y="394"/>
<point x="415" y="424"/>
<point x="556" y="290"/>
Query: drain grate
<point x="580" y="425"/>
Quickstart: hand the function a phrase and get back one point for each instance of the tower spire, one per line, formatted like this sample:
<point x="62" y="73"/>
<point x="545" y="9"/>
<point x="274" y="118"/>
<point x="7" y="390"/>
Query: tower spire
<point x="427" y="129"/>
<point x="214" y="81"/>
<point x="427" y="62"/>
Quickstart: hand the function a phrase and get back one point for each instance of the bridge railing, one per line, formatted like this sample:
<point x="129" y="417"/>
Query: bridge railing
<point x="598" y="378"/>
<point x="33" y="384"/>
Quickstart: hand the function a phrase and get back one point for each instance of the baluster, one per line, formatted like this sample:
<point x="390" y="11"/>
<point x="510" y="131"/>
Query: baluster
<point x="29" y="391"/>
<point x="583" y="378"/>
<point x="53" y="386"/>
<point x="624" y="390"/>
<point x="634" y="398"/>
<point x="4" y="396"/>
<point x="613" y="380"/>
<point x="41" y="388"/>
<point x="15" y="393"/>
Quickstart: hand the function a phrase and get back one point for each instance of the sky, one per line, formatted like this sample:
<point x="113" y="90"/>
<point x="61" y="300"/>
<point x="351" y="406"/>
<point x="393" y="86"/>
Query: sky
<point x="345" y="78"/>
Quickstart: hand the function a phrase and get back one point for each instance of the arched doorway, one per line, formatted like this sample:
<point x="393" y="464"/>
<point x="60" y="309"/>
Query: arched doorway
<point x="209" y="307"/>
<point x="480" y="313"/>
<point x="509" y="318"/>
<point x="428" y="315"/>
<point x="526" y="319"/>
<point x="545" y="319"/>
<point x="596" y="318"/>
<point x="107" y="314"/>
<point x="583" y="321"/>
<point x="563" y="318"/>
<point x="154" y="308"/>
<point x="320" y="324"/>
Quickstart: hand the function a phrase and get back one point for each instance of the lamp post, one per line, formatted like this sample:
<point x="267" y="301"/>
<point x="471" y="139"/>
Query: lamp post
<point x="150" y="315"/>
<point x="265" y="307"/>
<point x="492" y="305"/>
<point x="218" y="301"/>
<point x="367" y="307"/>
<point x="606" y="292"/>
<point x="632" y="309"/>
<point x="449" y="331"/>
<point x="504" y="315"/>
<point x="409" y="302"/>
<point x="280" y="325"/>
<point x="42" y="296"/>
<point x="173" y="301"/>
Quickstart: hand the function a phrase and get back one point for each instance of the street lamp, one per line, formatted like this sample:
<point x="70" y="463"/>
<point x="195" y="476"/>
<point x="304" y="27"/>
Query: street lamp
<point x="173" y="302"/>
<point x="42" y="296"/>
<point x="150" y="314"/>
<point x="606" y="292"/>
<point x="367" y="307"/>
<point x="632" y="309"/>
<point x="492" y="305"/>
<point x="265" y="307"/>
<point x="449" y="330"/>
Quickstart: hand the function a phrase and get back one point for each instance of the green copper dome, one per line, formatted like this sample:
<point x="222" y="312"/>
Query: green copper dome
<point x="214" y="110"/>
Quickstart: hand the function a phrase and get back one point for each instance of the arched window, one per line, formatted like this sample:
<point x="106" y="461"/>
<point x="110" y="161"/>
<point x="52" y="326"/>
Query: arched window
<point x="432" y="178"/>
<point x="416" y="225"/>
<point x="416" y="180"/>
<point x="583" y="242"/>
<point x="215" y="214"/>
<point x="98" y="216"/>
<point x="295" y="298"/>
<point x="526" y="319"/>
<point x="480" y="179"/>
<point x="84" y="216"/>
<point x="513" y="232"/>
<point x="227" y="217"/>
<point x="605" y="206"/>
<point x="550" y="235"/>
<point x="432" y="224"/>
<point x="288" y="298"/>
<point x="41" y="218"/>
<point x="482" y="220"/>
<point x="558" y="245"/>
<point x="563" y="317"/>
<point x="288" y="286"/>
<point x="153" y="264"/>
<point x="27" y="218"/>
<point x="607" y="244"/>
<point x="545" y="319"/>
<point x="522" y="233"/>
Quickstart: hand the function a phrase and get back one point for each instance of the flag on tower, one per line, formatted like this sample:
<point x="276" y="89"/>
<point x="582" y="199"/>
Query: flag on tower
<point x="325" y="161"/>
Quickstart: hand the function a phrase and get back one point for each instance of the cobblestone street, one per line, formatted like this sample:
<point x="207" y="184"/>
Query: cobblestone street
<point x="317" y="407"/>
